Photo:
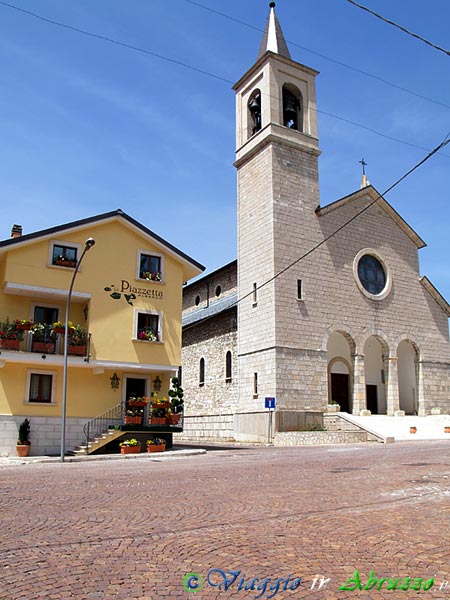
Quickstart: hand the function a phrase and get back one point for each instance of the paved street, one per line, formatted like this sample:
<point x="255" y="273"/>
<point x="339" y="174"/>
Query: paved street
<point x="133" y="529"/>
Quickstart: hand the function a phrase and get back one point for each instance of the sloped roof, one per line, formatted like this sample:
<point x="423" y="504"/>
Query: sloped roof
<point x="273" y="39"/>
<point x="215" y="308"/>
<point x="115" y="215"/>
<point x="436" y="295"/>
<point x="377" y="198"/>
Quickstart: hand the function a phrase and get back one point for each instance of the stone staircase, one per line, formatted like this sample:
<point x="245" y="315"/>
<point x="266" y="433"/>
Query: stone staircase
<point x="98" y="442"/>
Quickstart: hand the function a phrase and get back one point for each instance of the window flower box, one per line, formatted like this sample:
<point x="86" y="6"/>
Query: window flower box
<point x="9" y="344"/>
<point x="77" y="350"/>
<point x="174" y="419"/>
<point x="23" y="324"/>
<point x="44" y="347"/>
<point x="130" y="447"/>
<point x="133" y="420"/>
<point x="130" y="450"/>
<point x="138" y="402"/>
<point x="156" y="445"/>
<point x="156" y="448"/>
<point x="158" y="421"/>
<point x="64" y="262"/>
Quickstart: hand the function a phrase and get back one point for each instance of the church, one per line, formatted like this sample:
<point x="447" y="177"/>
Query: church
<point x="325" y="304"/>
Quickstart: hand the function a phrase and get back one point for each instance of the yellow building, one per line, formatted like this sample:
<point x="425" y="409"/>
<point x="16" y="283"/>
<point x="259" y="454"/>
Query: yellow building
<point x="126" y="313"/>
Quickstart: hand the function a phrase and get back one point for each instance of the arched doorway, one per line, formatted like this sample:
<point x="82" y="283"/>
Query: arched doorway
<point x="375" y="353"/>
<point x="339" y="349"/>
<point x="408" y="358"/>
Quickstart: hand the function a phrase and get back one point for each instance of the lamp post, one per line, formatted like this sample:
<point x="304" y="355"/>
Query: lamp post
<point x="87" y="246"/>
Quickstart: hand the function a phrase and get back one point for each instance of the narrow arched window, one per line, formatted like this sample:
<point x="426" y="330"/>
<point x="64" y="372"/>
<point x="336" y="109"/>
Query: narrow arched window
<point x="228" y="366"/>
<point x="292" y="107"/>
<point x="254" y="108"/>
<point x="201" y="379"/>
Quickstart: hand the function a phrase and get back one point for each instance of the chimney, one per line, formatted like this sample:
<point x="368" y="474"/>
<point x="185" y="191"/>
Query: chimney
<point x="16" y="231"/>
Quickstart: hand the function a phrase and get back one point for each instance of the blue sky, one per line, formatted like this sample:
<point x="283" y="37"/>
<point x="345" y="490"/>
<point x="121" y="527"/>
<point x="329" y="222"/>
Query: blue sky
<point x="87" y="126"/>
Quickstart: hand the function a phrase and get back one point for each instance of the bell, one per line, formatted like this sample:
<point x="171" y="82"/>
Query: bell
<point x="255" y="105"/>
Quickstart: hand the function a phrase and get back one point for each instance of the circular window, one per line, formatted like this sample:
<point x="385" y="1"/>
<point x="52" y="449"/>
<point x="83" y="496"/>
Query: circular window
<point x="218" y="291"/>
<point x="197" y="300"/>
<point x="371" y="274"/>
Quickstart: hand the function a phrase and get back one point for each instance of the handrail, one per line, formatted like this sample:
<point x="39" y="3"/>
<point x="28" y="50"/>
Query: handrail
<point x="96" y="426"/>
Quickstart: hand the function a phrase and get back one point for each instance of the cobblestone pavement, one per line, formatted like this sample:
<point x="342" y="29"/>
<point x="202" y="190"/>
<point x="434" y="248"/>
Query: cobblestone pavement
<point x="133" y="529"/>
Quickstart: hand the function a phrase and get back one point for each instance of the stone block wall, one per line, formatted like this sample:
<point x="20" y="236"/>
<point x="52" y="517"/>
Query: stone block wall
<point x="319" y="438"/>
<point x="205" y="289"/>
<point x="436" y="378"/>
<point x="210" y="340"/>
<point x="198" y="428"/>
<point x="45" y="434"/>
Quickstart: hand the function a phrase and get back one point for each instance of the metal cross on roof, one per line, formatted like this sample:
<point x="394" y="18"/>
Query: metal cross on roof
<point x="364" y="165"/>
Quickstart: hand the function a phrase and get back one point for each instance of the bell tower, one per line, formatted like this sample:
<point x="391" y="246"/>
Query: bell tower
<point x="277" y="152"/>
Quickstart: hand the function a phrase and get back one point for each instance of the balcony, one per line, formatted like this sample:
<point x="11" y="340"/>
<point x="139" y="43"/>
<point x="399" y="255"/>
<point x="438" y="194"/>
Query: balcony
<point x="48" y="344"/>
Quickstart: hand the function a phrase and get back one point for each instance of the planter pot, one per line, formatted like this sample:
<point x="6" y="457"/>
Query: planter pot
<point x="136" y="403"/>
<point x="44" y="347"/>
<point x="161" y="405"/>
<point x="156" y="448"/>
<point x="333" y="408"/>
<point x="23" y="449"/>
<point x="158" y="421"/>
<point x="446" y="429"/>
<point x="78" y="350"/>
<point x="413" y="430"/>
<point x="65" y="263"/>
<point x="58" y="330"/>
<point x="174" y="419"/>
<point x="133" y="420"/>
<point x="23" y="327"/>
<point x="130" y="450"/>
<point x="10" y="344"/>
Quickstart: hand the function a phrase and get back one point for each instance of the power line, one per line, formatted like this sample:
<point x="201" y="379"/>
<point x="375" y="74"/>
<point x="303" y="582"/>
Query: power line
<point x="117" y="42"/>
<point x="333" y="60"/>
<point x="196" y="69"/>
<point x="414" y="35"/>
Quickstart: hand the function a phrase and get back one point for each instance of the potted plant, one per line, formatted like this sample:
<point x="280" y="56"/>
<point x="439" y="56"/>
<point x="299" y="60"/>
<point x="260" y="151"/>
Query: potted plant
<point x="176" y="394"/>
<point x="77" y="340"/>
<point x="158" y="416"/>
<point x="156" y="445"/>
<point x="413" y="429"/>
<point x="447" y="429"/>
<point x="23" y="441"/>
<point x="42" y="338"/>
<point x="147" y="335"/>
<point x="333" y="406"/>
<point x="155" y="276"/>
<point x="138" y="401"/>
<point x="10" y="337"/>
<point x="133" y="417"/>
<point x="132" y="446"/>
<point x="60" y="327"/>
<point x="64" y="261"/>
<point x="23" y="324"/>
<point x="159" y="402"/>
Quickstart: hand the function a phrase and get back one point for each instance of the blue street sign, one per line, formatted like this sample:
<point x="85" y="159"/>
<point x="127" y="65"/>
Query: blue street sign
<point x="270" y="403"/>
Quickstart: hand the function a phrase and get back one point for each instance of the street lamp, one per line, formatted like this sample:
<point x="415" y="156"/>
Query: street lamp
<point x="87" y="246"/>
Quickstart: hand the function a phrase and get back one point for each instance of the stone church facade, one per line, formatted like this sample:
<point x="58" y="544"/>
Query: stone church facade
<point x="324" y="304"/>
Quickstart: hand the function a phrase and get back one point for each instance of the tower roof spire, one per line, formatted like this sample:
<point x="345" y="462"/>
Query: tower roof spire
<point x="273" y="39"/>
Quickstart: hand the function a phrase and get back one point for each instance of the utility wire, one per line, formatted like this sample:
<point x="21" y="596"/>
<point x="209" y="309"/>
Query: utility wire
<point x="196" y="69"/>
<point x="415" y="35"/>
<point x="112" y="41"/>
<point x="333" y="60"/>
<point x="341" y="227"/>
